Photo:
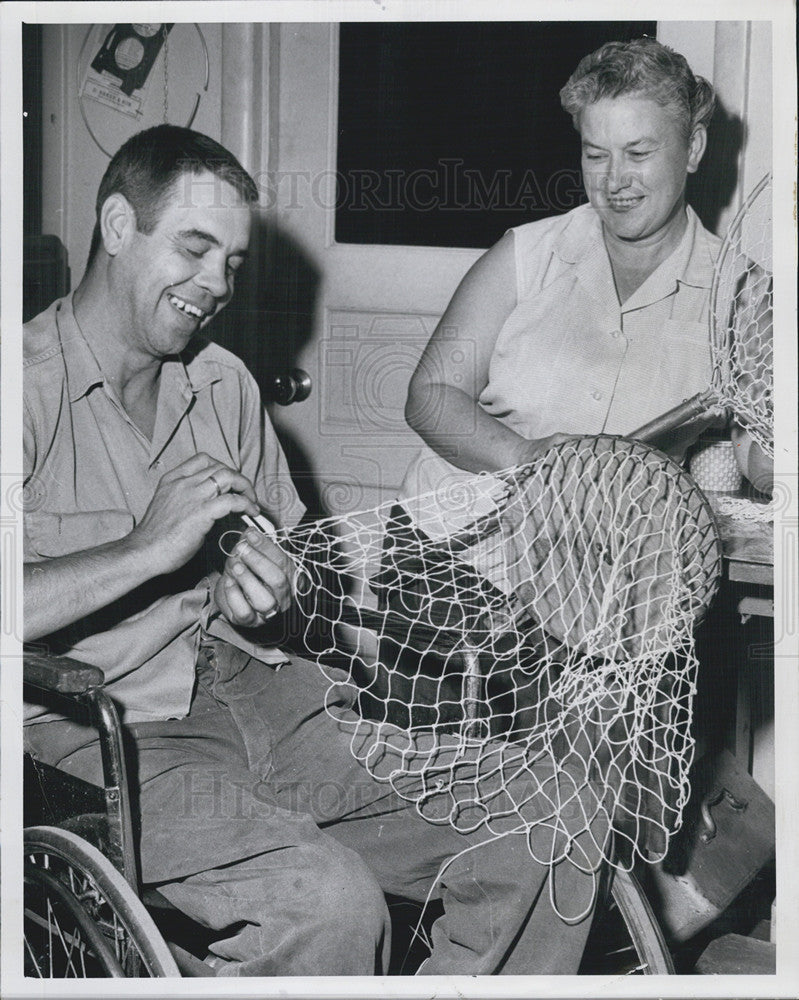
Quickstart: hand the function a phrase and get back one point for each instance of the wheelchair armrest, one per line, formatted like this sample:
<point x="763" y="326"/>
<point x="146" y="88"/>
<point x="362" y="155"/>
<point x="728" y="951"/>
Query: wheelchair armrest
<point x="82" y="683"/>
<point x="60" y="673"/>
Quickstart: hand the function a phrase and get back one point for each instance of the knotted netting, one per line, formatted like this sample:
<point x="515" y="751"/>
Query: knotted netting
<point x="523" y="644"/>
<point x="741" y="313"/>
<point x="741" y="329"/>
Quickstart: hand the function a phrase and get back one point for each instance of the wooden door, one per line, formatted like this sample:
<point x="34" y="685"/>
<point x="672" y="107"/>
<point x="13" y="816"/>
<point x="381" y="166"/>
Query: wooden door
<point x="373" y="309"/>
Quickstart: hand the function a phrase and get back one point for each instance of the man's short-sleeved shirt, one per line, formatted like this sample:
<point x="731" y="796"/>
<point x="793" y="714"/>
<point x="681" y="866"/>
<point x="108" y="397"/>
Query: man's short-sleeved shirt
<point x="90" y="475"/>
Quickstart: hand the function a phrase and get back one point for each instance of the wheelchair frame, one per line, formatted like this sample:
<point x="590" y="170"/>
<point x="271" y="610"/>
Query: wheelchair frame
<point x="82" y="911"/>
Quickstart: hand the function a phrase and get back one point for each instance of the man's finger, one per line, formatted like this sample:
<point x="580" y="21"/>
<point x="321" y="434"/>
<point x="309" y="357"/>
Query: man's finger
<point x="259" y="596"/>
<point x="230" y="481"/>
<point x="190" y="466"/>
<point x="241" y="611"/>
<point x="217" y="478"/>
<point x="269" y="564"/>
<point x="230" y="503"/>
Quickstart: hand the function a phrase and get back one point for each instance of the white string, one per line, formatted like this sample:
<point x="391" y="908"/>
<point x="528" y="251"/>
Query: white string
<point x="741" y="314"/>
<point x="743" y="509"/>
<point x="579" y="917"/>
<point x="419" y="933"/>
<point x="577" y="582"/>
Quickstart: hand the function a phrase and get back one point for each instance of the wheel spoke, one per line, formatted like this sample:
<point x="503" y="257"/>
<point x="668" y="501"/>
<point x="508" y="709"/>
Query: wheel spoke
<point x="50" y="934"/>
<point x="32" y="957"/>
<point x="82" y="918"/>
<point x="626" y="939"/>
<point x="68" y="949"/>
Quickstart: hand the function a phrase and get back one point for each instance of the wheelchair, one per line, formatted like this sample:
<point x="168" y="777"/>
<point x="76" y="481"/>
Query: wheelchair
<point x="83" y="916"/>
<point x="86" y="915"/>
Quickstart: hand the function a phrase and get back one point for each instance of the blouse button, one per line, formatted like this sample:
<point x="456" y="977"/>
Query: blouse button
<point x="596" y="394"/>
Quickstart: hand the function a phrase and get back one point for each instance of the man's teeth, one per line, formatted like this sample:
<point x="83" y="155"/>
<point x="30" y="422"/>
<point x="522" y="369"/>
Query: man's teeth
<point x="186" y="307"/>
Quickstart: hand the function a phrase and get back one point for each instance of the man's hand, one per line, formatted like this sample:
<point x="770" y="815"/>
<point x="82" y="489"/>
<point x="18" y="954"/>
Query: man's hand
<point x="256" y="582"/>
<point x="187" y="502"/>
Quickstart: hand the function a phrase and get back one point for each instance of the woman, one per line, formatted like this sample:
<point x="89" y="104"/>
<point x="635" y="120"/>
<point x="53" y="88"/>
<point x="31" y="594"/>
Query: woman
<point x="590" y="322"/>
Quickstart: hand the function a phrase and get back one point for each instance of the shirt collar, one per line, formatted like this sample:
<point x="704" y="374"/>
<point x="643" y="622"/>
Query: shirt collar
<point x="690" y="263"/>
<point x="580" y="236"/>
<point x="191" y="372"/>
<point x="702" y="253"/>
<point x="83" y="371"/>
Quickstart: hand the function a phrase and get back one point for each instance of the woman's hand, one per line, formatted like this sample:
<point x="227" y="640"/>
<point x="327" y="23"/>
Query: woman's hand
<point x="753" y="461"/>
<point x="531" y="450"/>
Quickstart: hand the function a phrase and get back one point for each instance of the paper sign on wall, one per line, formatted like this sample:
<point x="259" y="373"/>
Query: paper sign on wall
<point x="117" y="75"/>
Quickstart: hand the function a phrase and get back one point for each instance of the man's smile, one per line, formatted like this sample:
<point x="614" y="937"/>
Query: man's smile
<point x="187" y="308"/>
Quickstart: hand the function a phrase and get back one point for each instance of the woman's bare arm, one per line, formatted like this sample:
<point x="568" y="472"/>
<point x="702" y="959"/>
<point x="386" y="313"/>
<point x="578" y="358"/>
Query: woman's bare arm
<point x="442" y="405"/>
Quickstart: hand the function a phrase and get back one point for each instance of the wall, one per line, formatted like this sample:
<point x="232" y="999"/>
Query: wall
<point x="73" y="164"/>
<point x="237" y="110"/>
<point x="736" y="57"/>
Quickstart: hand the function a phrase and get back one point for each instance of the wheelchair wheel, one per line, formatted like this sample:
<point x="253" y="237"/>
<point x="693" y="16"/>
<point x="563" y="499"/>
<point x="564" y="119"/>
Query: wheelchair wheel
<point x="82" y="919"/>
<point x="626" y="939"/>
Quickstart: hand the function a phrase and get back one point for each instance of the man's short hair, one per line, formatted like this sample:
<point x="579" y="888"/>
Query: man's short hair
<point x="145" y="168"/>
<point x="646" y="68"/>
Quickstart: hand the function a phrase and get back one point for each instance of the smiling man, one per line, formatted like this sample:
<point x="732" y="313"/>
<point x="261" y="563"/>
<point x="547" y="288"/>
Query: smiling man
<point x="141" y="437"/>
<point x="113" y="402"/>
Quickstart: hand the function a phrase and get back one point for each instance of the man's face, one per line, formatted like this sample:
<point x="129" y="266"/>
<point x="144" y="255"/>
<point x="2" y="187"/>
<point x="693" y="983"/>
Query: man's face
<point x="635" y="163"/>
<point x="174" y="279"/>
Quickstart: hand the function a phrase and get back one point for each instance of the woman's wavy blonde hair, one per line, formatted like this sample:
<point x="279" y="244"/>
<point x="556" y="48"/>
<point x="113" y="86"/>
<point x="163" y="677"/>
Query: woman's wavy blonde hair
<point x="644" y="67"/>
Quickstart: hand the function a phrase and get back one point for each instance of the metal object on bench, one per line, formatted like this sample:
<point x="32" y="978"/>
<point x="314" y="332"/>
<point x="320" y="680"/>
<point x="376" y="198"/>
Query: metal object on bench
<point x="726" y="840"/>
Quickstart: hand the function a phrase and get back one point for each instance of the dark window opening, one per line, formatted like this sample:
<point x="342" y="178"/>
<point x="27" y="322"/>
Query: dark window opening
<point x="450" y="133"/>
<point x="32" y="127"/>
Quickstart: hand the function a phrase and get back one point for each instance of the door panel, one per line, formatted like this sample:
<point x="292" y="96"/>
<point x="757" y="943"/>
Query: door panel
<point x="376" y="306"/>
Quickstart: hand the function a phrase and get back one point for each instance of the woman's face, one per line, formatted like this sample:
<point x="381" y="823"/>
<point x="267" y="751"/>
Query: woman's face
<point x="635" y="162"/>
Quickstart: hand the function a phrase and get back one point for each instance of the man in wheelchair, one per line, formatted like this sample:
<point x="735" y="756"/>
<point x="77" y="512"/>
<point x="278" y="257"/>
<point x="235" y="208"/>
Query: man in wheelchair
<point x="143" y="442"/>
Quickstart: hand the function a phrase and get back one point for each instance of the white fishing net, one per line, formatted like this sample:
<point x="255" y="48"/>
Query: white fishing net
<point x="741" y="311"/>
<point x="741" y="331"/>
<point x="532" y="670"/>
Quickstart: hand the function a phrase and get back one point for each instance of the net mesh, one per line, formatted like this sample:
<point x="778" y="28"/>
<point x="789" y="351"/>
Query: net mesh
<point x="741" y="318"/>
<point x="525" y="662"/>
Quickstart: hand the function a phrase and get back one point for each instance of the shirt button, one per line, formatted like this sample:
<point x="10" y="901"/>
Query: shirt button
<point x="596" y="394"/>
<point x="157" y="463"/>
<point x="615" y="334"/>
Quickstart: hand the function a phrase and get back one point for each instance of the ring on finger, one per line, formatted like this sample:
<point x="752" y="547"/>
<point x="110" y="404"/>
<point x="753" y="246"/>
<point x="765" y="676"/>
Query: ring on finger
<point x="217" y="487"/>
